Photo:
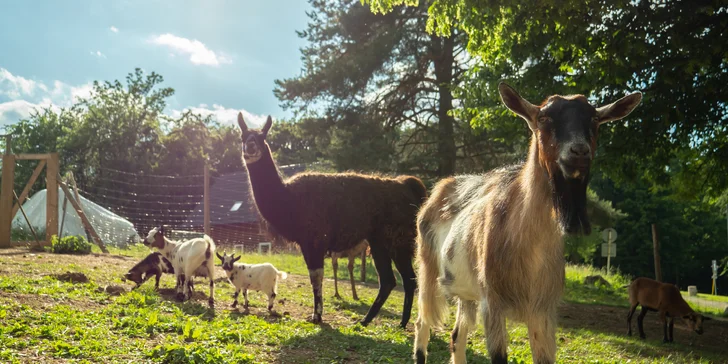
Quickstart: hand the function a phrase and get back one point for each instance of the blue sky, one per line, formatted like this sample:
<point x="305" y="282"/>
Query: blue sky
<point x="220" y="56"/>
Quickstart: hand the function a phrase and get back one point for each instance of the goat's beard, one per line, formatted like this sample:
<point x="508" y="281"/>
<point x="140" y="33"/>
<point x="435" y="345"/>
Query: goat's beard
<point x="569" y="197"/>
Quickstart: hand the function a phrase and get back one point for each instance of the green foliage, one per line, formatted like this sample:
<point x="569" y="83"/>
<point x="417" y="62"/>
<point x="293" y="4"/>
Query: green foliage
<point x="70" y="245"/>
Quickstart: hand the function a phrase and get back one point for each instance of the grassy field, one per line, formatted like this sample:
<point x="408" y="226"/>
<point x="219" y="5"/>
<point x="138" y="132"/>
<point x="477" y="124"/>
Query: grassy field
<point x="46" y="320"/>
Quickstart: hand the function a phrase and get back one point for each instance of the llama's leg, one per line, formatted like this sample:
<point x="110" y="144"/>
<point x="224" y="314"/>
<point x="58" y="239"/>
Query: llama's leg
<point x="629" y="319"/>
<point x="459" y="337"/>
<point x="640" y="318"/>
<point x="351" y="278"/>
<point x="315" y="263"/>
<point x="387" y="282"/>
<point x="542" y="337"/>
<point x="335" y="268"/>
<point x="403" y="262"/>
<point x="496" y="334"/>
<point x="422" y="337"/>
<point x="235" y="297"/>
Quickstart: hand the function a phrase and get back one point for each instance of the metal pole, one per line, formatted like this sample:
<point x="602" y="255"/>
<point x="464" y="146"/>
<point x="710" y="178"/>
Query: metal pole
<point x="609" y="251"/>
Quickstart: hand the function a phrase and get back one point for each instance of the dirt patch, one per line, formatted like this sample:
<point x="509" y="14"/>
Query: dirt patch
<point x="71" y="277"/>
<point x="45" y="302"/>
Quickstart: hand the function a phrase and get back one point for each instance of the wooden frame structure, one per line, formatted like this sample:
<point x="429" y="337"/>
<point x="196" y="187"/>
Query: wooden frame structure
<point x="9" y="206"/>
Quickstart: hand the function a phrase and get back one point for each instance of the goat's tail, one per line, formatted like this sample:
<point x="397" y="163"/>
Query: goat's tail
<point x="433" y="306"/>
<point x="282" y="274"/>
<point x="209" y="240"/>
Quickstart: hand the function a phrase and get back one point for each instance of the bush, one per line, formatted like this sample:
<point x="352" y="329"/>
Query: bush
<point x="70" y="245"/>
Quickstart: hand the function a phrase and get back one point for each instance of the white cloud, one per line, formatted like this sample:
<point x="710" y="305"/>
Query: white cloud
<point x="198" y="52"/>
<point x="26" y="95"/>
<point x="224" y="115"/>
<point x="16" y="87"/>
<point x="114" y="29"/>
<point x="98" y="54"/>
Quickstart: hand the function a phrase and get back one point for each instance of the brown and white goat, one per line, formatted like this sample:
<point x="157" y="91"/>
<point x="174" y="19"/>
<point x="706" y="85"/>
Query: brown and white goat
<point x="665" y="298"/>
<point x="351" y="254"/>
<point x="496" y="240"/>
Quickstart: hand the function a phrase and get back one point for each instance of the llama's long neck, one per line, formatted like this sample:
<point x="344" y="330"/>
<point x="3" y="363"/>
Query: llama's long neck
<point x="269" y="192"/>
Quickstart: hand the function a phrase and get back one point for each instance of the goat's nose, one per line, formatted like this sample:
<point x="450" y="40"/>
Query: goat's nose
<point x="579" y="150"/>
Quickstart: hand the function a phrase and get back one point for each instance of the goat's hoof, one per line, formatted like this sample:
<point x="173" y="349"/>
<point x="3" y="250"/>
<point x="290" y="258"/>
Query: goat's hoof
<point x="234" y="305"/>
<point x="270" y="308"/>
<point x="363" y="322"/>
<point x="180" y="297"/>
<point x="403" y="325"/>
<point x="355" y="298"/>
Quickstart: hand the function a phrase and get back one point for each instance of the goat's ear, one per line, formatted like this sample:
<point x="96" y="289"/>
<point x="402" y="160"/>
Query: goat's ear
<point x="237" y="258"/>
<point x="268" y="124"/>
<point x="619" y="108"/>
<point x="241" y="123"/>
<point x="518" y="104"/>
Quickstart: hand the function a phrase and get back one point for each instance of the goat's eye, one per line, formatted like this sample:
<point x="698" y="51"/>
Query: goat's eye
<point x="544" y="121"/>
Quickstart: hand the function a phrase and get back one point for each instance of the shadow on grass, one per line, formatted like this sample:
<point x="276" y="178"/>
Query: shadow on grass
<point x="195" y="306"/>
<point x="354" y="344"/>
<point x="361" y="308"/>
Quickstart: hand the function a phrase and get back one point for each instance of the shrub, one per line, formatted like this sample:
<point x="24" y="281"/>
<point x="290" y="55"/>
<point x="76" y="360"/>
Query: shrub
<point x="70" y="245"/>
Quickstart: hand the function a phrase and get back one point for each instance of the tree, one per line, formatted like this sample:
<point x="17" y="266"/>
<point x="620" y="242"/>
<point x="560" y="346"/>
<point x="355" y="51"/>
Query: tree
<point x="384" y="74"/>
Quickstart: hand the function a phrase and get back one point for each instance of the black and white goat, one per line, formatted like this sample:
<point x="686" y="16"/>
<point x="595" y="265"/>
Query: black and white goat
<point x="189" y="258"/>
<point x="259" y="277"/>
<point x="155" y="264"/>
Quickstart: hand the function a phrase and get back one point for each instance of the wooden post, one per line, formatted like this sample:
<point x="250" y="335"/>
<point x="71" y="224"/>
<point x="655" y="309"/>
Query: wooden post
<point x="84" y="219"/>
<point x="656" y="247"/>
<point x="52" y="169"/>
<point x="6" y="199"/>
<point x="206" y="201"/>
<point x="364" y="266"/>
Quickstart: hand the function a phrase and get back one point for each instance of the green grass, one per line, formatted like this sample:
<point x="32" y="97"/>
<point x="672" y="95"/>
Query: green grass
<point x="43" y="320"/>
<point x="711" y="297"/>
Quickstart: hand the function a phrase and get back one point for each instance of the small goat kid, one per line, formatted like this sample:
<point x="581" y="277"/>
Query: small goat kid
<point x="189" y="258"/>
<point x="351" y="254"/>
<point x="153" y="265"/>
<point x="258" y="277"/>
<point x="497" y="239"/>
<point x="665" y="298"/>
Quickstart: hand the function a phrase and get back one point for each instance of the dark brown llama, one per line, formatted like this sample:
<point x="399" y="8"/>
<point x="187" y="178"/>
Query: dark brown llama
<point x="335" y="212"/>
<point x="497" y="239"/>
<point x="665" y="298"/>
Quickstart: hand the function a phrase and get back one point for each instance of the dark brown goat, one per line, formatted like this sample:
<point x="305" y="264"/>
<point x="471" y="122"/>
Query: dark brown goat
<point x="154" y="264"/>
<point x="665" y="298"/>
<point x="496" y="240"/>
<point x="335" y="212"/>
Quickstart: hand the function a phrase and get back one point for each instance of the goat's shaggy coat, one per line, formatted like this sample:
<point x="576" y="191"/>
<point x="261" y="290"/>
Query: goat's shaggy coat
<point x="495" y="240"/>
<point x="257" y="277"/>
<point x="665" y="298"/>
<point x="334" y="212"/>
<point x="189" y="258"/>
<point x="153" y="264"/>
<point x="351" y="255"/>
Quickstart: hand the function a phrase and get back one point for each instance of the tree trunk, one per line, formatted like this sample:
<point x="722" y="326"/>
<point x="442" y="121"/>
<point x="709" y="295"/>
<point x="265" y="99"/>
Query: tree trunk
<point x="443" y="59"/>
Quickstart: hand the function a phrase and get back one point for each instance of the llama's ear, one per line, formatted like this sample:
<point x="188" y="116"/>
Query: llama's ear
<point x="518" y="104"/>
<point x="241" y="123"/>
<point x="619" y="108"/>
<point x="268" y="124"/>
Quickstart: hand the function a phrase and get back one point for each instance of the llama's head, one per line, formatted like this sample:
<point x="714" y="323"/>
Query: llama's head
<point x="565" y="132"/>
<point x="694" y="321"/>
<point x="227" y="260"/>
<point x="155" y="238"/>
<point x="254" y="140"/>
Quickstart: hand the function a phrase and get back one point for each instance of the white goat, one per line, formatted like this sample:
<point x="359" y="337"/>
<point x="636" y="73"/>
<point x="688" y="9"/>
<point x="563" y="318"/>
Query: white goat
<point x="189" y="258"/>
<point x="259" y="277"/>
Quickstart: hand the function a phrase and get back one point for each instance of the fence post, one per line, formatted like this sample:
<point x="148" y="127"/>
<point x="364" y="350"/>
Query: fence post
<point x="6" y="199"/>
<point x="656" y="247"/>
<point x="206" y="200"/>
<point x="52" y="170"/>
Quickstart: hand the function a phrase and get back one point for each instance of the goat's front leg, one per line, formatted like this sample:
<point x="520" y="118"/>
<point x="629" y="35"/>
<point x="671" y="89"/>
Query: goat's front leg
<point x="351" y="278"/>
<point x="663" y="319"/>
<point x="181" y="286"/>
<point x="672" y="324"/>
<point x="156" y="282"/>
<point x="245" y="295"/>
<point x="542" y="336"/>
<point x="271" y="300"/>
<point x="235" y="297"/>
